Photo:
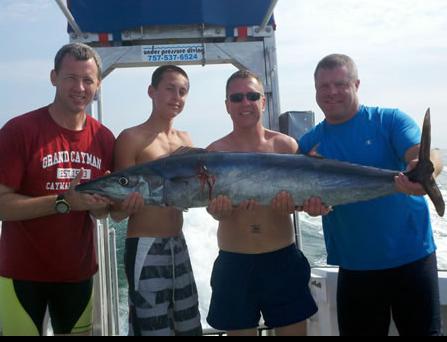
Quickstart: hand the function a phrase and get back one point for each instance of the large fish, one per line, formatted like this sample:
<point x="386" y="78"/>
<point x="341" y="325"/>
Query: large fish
<point x="191" y="178"/>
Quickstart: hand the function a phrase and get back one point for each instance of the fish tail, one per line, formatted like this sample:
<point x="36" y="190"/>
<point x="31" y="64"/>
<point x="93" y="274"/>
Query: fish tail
<point x="423" y="172"/>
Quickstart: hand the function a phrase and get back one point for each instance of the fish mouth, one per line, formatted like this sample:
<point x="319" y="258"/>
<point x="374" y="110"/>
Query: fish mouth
<point x="87" y="189"/>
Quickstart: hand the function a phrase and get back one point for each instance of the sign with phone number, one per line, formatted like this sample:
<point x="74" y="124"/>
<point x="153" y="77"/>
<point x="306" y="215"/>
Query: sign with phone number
<point x="173" y="53"/>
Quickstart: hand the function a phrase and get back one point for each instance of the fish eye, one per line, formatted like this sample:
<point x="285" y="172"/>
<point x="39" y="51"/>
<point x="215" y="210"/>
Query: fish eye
<point x="123" y="181"/>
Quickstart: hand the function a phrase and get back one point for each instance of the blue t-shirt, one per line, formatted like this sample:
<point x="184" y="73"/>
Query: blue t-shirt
<point x="383" y="233"/>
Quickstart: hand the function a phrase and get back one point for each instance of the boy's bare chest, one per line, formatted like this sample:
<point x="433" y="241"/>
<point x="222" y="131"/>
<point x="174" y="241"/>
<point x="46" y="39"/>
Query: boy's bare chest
<point x="160" y="147"/>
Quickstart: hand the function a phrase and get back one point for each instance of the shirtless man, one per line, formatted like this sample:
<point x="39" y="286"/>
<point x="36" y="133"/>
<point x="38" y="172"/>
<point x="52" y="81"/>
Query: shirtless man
<point x="259" y="268"/>
<point x="162" y="293"/>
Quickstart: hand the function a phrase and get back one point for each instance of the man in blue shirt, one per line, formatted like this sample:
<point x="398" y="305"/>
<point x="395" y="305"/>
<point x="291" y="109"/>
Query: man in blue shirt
<point x="384" y="247"/>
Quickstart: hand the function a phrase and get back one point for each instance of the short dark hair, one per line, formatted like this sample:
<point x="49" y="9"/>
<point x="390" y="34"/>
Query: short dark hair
<point x="158" y="74"/>
<point x="336" y="61"/>
<point x="79" y="51"/>
<point x="244" y="74"/>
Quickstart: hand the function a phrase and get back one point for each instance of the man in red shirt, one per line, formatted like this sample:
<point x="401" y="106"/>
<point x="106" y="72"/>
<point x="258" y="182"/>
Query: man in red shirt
<point x="47" y="254"/>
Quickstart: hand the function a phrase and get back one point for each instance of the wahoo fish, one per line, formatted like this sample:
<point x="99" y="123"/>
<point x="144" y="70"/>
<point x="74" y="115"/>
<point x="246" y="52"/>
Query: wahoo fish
<point x="191" y="178"/>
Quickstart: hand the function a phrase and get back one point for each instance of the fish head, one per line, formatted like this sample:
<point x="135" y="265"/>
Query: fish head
<point x="119" y="185"/>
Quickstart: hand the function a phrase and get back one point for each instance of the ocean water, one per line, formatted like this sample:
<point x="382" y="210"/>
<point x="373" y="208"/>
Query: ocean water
<point x="200" y="232"/>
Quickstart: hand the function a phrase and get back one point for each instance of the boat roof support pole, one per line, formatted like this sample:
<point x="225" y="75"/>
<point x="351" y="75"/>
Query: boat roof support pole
<point x="272" y="83"/>
<point x="268" y="15"/>
<point x="71" y="20"/>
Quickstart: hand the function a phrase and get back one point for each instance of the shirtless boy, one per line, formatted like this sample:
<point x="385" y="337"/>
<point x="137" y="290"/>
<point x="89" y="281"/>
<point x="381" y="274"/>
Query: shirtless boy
<point x="162" y="293"/>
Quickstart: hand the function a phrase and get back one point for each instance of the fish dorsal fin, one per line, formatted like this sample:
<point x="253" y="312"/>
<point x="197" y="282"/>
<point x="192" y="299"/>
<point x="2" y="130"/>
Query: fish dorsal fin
<point x="188" y="150"/>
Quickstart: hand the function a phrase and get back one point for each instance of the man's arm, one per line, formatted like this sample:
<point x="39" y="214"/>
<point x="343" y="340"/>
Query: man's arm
<point x="17" y="207"/>
<point x="436" y="158"/>
<point x="403" y="184"/>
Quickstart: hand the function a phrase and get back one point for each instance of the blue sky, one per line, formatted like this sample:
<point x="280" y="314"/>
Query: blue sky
<point x="400" y="47"/>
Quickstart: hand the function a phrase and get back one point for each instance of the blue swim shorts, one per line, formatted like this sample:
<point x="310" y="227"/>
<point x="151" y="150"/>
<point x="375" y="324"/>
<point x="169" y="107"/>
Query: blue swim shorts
<point x="275" y="284"/>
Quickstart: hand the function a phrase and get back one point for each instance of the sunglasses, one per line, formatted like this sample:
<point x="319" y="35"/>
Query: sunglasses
<point x="239" y="97"/>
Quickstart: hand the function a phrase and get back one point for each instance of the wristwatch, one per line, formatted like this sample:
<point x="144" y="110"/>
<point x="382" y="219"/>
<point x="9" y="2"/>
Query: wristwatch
<point x="62" y="206"/>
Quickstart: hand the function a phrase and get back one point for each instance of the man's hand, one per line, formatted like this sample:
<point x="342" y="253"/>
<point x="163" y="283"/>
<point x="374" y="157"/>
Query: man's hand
<point x="220" y="208"/>
<point x="85" y="202"/>
<point x="283" y="203"/>
<point x="314" y="207"/>
<point x="132" y="204"/>
<point x="249" y="205"/>
<point x="404" y="185"/>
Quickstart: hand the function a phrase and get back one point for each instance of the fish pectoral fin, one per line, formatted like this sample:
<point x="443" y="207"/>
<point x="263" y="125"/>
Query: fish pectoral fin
<point x="188" y="150"/>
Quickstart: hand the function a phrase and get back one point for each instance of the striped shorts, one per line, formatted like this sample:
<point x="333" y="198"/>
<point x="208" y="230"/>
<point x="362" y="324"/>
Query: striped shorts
<point x="163" y="298"/>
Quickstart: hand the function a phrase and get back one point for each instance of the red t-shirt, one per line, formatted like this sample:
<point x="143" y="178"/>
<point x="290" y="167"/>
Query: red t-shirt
<point x="40" y="158"/>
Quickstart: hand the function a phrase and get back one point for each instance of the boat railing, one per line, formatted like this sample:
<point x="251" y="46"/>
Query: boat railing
<point x="106" y="307"/>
